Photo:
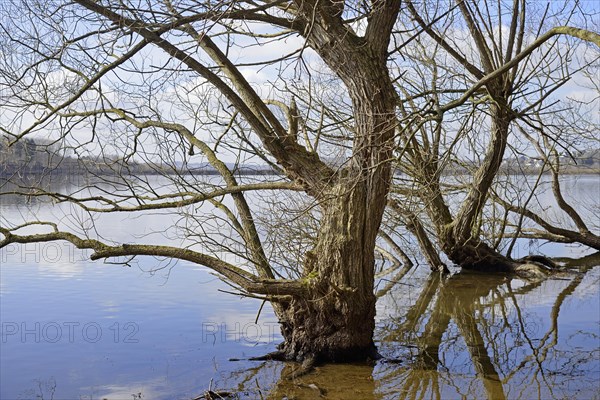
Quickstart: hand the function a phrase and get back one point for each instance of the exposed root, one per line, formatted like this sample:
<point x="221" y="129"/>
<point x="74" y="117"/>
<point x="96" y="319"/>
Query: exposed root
<point x="322" y="392"/>
<point x="215" y="395"/>
<point x="536" y="267"/>
<point x="273" y="356"/>
<point x="386" y="360"/>
<point x="531" y="271"/>
<point x="537" y="259"/>
<point x="307" y="366"/>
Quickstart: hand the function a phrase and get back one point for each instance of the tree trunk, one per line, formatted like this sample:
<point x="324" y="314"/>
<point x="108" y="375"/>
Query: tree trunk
<point x="472" y="206"/>
<point x="336" y="322"/>
<point x="476" y="255"/>
<point x="460" y="240"/>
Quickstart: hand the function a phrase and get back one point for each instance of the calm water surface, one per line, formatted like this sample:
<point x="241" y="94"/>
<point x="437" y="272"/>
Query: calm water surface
<point x="76" y="329"/>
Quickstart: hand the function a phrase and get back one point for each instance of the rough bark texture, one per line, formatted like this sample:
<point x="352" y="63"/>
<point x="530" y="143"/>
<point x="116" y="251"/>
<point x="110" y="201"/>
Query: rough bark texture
<point x="482" y="181"/>
<point x="461" y="241"/>
<point x="477" y="255"/>
<point x="336" y="322"/>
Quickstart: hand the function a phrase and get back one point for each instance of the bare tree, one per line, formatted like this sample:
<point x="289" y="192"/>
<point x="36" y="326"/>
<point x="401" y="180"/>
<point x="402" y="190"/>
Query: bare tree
<point x="132" y="87"/>
<point x="479" y="83"/>
<point x="556" y="138"/>
<point x="113" y="86"/>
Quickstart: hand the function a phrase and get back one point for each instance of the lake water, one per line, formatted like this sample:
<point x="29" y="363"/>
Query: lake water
<point x="76" y="329"/>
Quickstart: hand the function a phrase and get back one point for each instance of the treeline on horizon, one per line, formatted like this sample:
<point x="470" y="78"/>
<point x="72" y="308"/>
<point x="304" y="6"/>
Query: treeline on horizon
<point x="42" y="157"/>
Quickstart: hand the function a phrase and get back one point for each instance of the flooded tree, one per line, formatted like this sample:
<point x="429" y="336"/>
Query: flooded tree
<point x="480" y="98"/>
<point x="187" y="87"/>
<point x="469" y="335"/>
<point x="556" y="145"/>
<point x="483" y="327"/>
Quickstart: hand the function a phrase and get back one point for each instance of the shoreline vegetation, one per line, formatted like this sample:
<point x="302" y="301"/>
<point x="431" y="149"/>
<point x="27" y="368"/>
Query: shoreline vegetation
<point x="40" y="157"/>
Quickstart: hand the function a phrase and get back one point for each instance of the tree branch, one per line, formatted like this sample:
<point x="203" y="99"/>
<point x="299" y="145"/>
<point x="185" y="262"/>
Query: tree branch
<point x="296" y="160"/>
<point x="236" y="275"/>
<point x="560" y="30"/>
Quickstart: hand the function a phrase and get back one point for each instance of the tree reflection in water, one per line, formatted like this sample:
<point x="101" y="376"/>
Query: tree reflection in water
<point x="490" y="336"/>
<point x="471" y="336"/>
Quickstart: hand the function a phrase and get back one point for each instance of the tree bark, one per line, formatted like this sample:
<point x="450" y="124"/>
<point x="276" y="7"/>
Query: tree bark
<point x="335" y="322"/>
<point x="461" y="241"/>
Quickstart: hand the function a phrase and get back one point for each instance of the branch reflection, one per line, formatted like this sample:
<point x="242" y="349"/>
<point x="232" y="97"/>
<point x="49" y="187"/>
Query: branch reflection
<point x="493" y="337"/>
<point x="471" y="335"/>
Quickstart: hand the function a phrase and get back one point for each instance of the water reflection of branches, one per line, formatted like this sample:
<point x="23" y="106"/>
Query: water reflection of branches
<point x="482" y="317"/>
<point x="546" y="346"/>
<point x="467" y="336"/>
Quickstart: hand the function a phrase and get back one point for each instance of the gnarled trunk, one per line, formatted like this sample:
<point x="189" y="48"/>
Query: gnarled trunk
<point x="336" y="321"/>
<point x="476" y="255"/>
<point x="462" y="243"/>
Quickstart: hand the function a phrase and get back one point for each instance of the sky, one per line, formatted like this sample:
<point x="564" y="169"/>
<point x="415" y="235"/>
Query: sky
<point x="163" y="91"/>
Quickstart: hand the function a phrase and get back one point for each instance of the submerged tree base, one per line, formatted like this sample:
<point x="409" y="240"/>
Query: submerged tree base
<point x="329" y="328"/>
<point x="309" y="362"/>
<point x="478" y="256"/>
<point x="342" y="348"/>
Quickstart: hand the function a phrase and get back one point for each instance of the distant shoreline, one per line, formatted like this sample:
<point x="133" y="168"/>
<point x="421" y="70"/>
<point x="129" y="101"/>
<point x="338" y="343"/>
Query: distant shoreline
<point x="142" y="170"/>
